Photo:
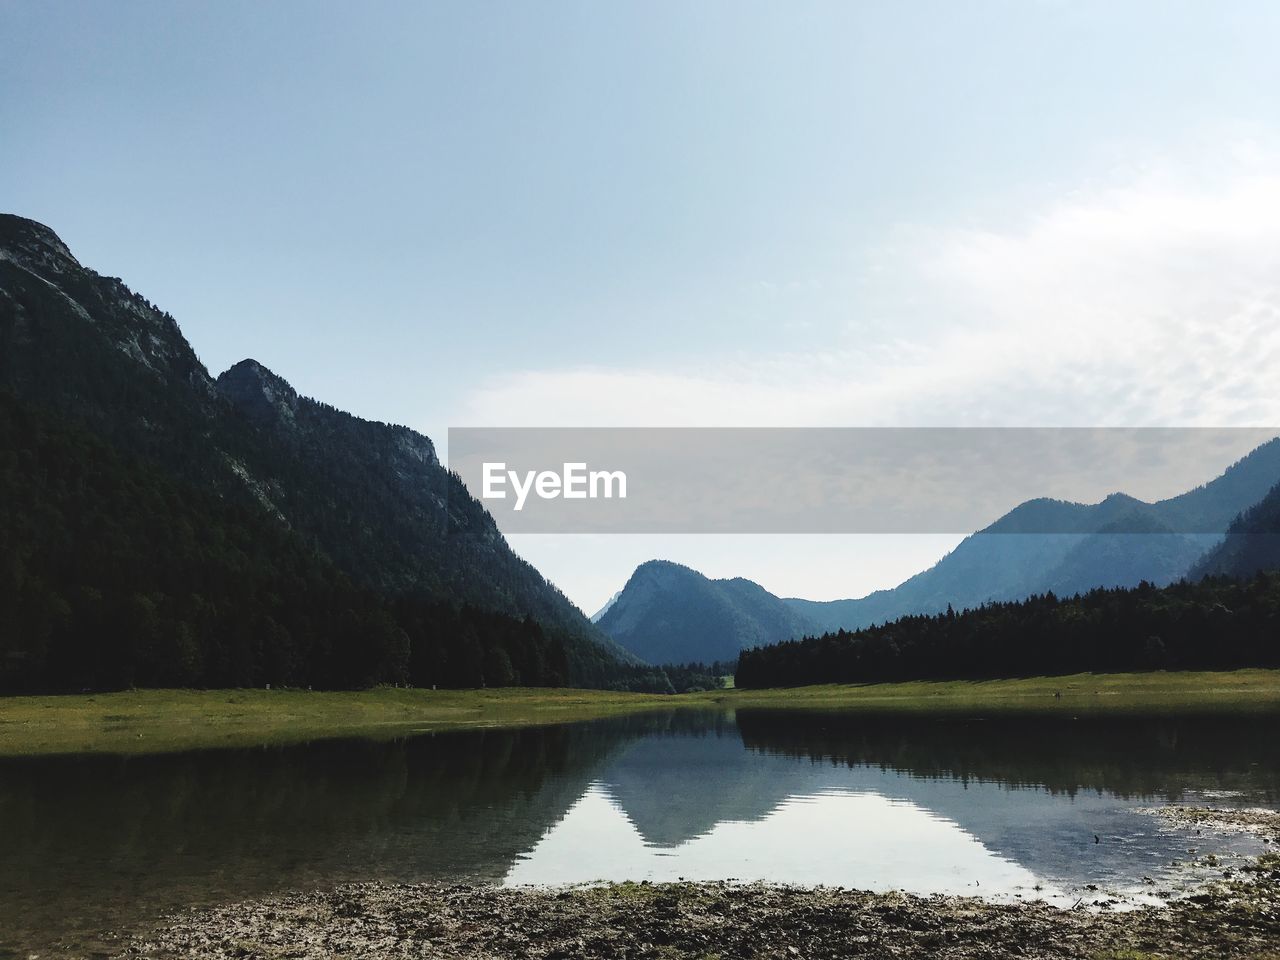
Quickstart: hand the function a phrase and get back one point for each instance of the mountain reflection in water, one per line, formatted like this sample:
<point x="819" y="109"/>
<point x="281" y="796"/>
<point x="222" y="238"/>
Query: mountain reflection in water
<point x="833" y="837"/>
<point x="1004" y="808"/>
<point x="936" y="804"/>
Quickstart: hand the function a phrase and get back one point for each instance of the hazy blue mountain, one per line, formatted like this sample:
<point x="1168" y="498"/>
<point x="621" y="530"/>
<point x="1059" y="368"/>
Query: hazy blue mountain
<point x="1252" y="542"/>
<point x="668" y="613"/>
<point x="370" y="497"/>
<point x="1118" y="542"/>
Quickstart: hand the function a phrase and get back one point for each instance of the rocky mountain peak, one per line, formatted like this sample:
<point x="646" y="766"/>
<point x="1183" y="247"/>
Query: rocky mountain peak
<point x="258" y="391"/>
<point x="37" y="262"/>
<point x="664" y="568"/>
<point x="34" y="246"/>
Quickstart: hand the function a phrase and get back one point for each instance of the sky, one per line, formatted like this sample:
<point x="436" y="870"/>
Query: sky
<point x="1001" y="212"/>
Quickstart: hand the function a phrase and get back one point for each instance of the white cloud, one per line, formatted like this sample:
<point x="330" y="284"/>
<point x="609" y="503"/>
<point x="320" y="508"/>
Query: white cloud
<point x="1155" y="301"/>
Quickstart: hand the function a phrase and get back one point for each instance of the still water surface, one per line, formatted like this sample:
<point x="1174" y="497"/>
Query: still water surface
<point x="1007" y="808"/>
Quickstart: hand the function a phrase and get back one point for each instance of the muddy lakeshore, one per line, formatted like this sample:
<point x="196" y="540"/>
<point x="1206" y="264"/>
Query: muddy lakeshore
<point x="1235" y="916"/>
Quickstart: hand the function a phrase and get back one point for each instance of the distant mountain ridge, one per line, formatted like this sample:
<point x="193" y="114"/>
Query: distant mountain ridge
<point x="372" y="497"/>
<point x="1118" y="542"/>
<point x="669" y="613"/>
<point x="1008" y="560"/>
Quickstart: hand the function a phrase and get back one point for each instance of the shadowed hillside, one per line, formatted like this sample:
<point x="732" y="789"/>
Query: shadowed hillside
<point x="80" y="351"/>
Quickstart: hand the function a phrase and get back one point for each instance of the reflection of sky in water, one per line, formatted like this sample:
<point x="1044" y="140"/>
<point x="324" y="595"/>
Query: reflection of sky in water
<point x="929" y="804"/>
<point x="834" y="837"/>
<point x="704" y="808"/>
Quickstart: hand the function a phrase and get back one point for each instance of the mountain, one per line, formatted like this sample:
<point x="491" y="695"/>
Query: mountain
<point x="608" y="604"/>
<point x="1252" y="543"/>
<point x="82" y="352"/>
<point x="377" y="500"/>
<point x="668" y="613"/>
<point x="1118" y="542"/>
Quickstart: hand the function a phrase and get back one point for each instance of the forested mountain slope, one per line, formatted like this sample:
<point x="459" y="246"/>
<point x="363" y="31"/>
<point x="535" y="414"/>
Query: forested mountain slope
<point x="1252" y="543"/>
<point x="370" y="499"/>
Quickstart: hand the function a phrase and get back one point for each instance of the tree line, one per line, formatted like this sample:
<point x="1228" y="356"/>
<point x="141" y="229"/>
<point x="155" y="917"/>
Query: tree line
<point x="692" y="677"/>
<point x="114" y="575"/>
<point x="1217" y="623"/>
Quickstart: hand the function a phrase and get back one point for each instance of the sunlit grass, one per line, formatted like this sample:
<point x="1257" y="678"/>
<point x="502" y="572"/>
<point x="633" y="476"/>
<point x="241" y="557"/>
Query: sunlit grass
<point x="144" y="721"/>
<point x="1081" y="692"/>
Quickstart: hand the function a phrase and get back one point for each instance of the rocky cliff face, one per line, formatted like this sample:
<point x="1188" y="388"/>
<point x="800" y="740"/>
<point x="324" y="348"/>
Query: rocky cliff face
<point x="259" y="393"/>
<point x="35" y="247"/>
<point x="42" y="279"/>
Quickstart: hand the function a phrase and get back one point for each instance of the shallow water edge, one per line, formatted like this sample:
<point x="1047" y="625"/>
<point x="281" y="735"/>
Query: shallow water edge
<point x="1237" y="916"/>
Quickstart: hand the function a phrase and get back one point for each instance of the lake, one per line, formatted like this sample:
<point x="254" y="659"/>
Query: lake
<point x="1005" y="807"/>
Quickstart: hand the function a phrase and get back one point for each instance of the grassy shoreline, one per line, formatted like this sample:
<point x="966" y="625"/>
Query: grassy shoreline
<point x="149" y="721"/>
<point x="1077" y="693"/>
<point x="146" y="721"/>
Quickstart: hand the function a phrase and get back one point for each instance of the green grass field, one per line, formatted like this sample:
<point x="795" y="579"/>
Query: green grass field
<point x="1078" y="693"/>
<point x="145" y="721"/>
